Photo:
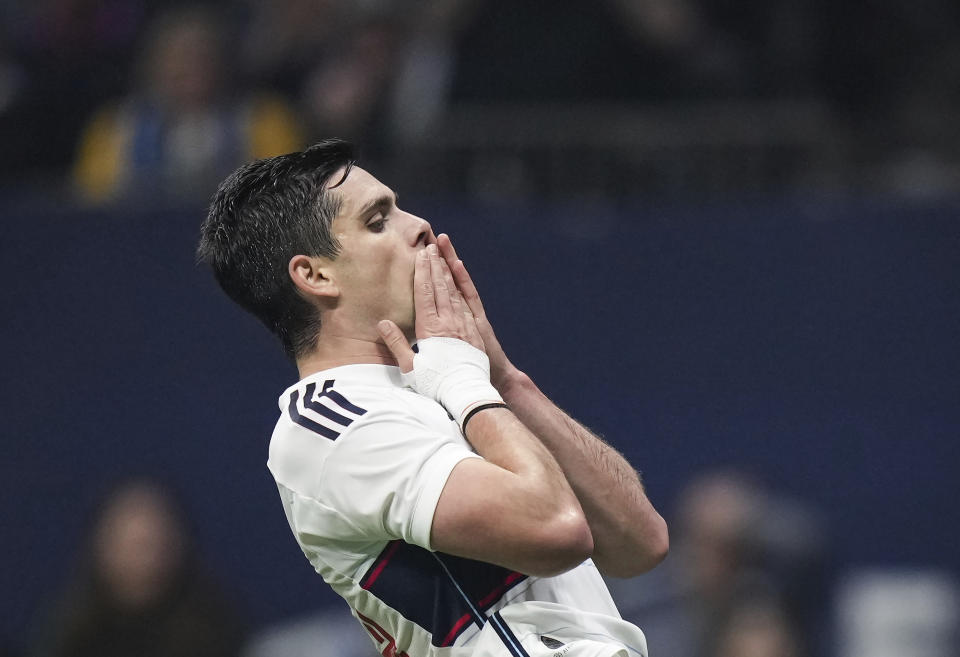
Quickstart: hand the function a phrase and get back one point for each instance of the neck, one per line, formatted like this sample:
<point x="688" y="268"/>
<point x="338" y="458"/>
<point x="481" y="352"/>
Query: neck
<point x="336" y="350"/>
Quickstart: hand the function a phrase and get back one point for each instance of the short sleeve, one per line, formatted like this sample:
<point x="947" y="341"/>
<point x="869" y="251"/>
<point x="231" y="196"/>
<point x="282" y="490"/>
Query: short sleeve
<point x="386" y="474"/>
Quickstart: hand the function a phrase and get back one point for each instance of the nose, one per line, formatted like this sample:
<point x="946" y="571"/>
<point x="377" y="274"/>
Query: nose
<point x="423" y="231"/>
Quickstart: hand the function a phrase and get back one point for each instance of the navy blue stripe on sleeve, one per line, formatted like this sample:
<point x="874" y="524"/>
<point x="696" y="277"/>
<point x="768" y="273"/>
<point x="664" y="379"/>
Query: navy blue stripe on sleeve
<point x="306" y="422"/>
<point x="342" y="401"/>
<point x="312" y="403"/>
<point x="339" y="399"/>
<point x="315" y="406"/>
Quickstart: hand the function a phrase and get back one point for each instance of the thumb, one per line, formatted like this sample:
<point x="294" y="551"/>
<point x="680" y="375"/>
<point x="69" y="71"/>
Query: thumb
<point x="397" y="343"/>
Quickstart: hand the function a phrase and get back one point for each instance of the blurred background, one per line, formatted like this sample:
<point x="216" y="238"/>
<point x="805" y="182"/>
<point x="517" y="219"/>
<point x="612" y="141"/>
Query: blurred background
<point x="723" y="235"/>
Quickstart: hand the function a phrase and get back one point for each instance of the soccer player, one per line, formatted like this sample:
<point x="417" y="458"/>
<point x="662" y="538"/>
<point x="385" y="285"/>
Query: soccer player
<point x="453" y="506"/>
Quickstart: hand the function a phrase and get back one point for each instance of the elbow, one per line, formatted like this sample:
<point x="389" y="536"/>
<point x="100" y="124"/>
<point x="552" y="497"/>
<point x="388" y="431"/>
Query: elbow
<point x="578" y="545"/>
<point x="565" y="543"/>
<point x="655" y="546"/>
<point x="658" y="543"/>
<point x="647" y="551"/>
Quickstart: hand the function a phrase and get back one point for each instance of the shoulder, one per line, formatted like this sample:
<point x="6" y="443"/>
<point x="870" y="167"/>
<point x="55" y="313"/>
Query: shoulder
<point x="327" y="409"/>
<point x="331" y="402"/>
<point x="324" y="418"/>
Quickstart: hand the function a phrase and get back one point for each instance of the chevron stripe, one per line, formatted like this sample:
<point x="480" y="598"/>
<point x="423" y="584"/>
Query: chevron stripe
<point x="311" y="402"/>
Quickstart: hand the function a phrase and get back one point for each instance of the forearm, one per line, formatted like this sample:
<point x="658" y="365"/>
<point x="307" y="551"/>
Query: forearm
<point x="629" y="535"/>
<point x="523" y="513"/>
<point x="502" y="439"/>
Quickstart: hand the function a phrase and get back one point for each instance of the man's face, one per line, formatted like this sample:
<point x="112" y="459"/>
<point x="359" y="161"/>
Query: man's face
<point x="379" y="243"/>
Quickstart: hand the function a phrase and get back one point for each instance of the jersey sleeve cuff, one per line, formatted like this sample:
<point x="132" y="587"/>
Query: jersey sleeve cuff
<point x="436" y="473"/>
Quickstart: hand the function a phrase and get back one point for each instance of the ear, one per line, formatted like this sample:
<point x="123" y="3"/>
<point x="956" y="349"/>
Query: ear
<point x="312" y="277"/>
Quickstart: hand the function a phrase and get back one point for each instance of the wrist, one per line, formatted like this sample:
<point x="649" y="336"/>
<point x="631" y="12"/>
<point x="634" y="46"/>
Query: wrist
<point x="512" y="383"/>
<point x="453" y="373"/>
<point x="477" y="408"/>
<point x="464" y="400"/>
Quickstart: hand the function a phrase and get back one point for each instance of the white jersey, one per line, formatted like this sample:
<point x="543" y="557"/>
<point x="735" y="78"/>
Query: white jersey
<point x="360" y="462"/>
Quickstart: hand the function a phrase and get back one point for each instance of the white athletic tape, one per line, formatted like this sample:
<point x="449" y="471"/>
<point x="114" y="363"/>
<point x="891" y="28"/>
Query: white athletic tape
<point x="454" y="373"/>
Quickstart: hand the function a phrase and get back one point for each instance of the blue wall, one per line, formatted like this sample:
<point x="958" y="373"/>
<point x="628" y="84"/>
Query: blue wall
<point x="813" y="343"/>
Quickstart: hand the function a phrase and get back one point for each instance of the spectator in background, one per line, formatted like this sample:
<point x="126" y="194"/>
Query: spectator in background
<point x="744" y="578"/>
<point x="284" y="40"/>
<point x="346" y="92"/>
<point x="62" y="59"/>
<point x="425" y="66"/>
<point x="757" y="627"/>
<point x="186" y="126"/>
<point x="338" y="58"/>
<point x="139" y="590"/>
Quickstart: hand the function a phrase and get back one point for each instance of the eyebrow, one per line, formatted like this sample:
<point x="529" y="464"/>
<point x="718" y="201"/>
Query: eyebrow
<point x="378" y="203"/>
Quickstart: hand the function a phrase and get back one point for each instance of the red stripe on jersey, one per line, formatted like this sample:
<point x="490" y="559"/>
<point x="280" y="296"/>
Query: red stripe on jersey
<point x="500" y="590"/>
<point x="455" y="631"/>
<point x="389" y="650"/>
<point x="373" y="632"/>
<point x="381" y="564"/>
<point x="489" y="599"/>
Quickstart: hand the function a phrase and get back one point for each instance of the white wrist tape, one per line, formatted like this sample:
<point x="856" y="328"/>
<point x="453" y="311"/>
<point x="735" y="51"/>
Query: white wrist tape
<point x="454" y="373"/>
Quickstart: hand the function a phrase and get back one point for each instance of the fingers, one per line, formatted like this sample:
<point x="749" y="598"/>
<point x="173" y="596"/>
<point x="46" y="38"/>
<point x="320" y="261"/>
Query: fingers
<point x="460" y="275"/>
<point x="500" y="365"/>
<point x="456" y="300"/>
<point x="441" y="290"/>
<point x="440" y="307"/>
<point x="470" y="330"/>
<point x="446" y="247"/>
<point x="397" y="343"/>
<point x="465" y="322"/>
<point x="424" y="304"/>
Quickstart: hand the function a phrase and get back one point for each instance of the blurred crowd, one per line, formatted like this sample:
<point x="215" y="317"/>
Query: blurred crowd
<point x="139" y="587"/>
<point x="132" y="98"/>
<point x="748" y="575"/>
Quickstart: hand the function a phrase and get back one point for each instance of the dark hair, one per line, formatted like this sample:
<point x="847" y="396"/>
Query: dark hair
<point x="262" y="215"/>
